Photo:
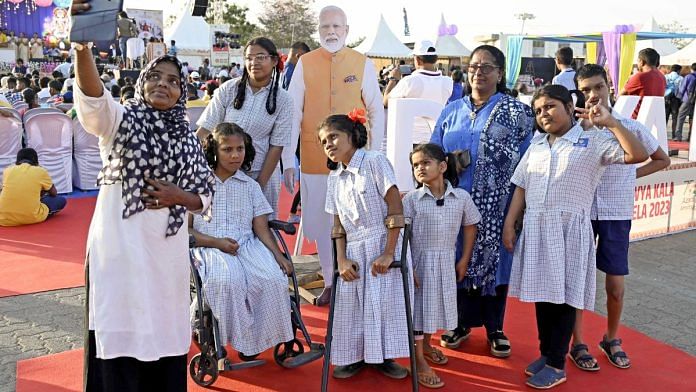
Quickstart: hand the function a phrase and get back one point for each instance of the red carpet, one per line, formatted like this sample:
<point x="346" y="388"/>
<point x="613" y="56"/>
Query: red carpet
<point x="684" y="145"/>
<point x="284" y="204"/>
<point x="656" y="366"/>
<point x="46" y="256"/>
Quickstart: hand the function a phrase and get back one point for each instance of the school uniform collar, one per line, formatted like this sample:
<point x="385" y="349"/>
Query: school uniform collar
<point x="239" y="176"/>
<point x="425" y="190"/>
<point x="572" y="135"/>
<point x="425" y="72"/>
<point x="354" y="164"/>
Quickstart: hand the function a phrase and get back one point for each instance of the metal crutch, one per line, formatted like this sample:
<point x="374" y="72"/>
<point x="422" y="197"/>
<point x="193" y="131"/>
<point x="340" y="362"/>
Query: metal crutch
<point x="402" y="264"/>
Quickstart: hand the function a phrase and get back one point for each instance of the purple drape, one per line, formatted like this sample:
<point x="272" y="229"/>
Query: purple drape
<point x="612" y="48"/>
<point x="15" y="17"/>
<point x="601" y="54"/>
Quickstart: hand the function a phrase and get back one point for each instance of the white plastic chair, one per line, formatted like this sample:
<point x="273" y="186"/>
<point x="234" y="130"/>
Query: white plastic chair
<point x="194" y="113"/>
<point x="10" y="141"/>
<point x="50" y="134"/>
<point x="86" y="159"/>
<point x="33" y="112"/>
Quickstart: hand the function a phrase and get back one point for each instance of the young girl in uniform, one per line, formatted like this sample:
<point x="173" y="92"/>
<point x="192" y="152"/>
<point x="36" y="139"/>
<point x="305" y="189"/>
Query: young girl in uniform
<point x="369" y="316"/>
<point x="554" y="259"/>
<point x="438" y="210"/>
<point x="242" y="269"/>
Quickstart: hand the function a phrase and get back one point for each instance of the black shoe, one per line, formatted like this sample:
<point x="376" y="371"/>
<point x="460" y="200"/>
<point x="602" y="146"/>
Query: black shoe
<point x="324" y="298"/>
<point x="392" y="369"/>
<point x="452" y="339"/>
<point x="348" y="371"/>
<point x="500" y="344"/>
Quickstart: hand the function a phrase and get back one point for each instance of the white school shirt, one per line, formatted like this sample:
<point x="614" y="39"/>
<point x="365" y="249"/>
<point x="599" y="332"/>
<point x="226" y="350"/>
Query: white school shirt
<point x="566" y="79"/>
<point x="139" y="279"/>
<point x="372" y="97"/>
<point x="430" y="85"/>
<point x="265" y="129"/>
<point x="615" y="193"/>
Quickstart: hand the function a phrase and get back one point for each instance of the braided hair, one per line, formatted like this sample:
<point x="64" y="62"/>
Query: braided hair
<point x="275" y="76"/>
<point x="212" y="142"/>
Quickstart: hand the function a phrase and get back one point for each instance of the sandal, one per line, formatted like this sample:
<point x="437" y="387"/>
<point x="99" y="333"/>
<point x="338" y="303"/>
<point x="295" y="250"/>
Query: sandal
<point x="452" y="339"/>
<point x="583" y="361"/>
<point x="547" y="378"/>
<point x="606" y="345"/>
<point x="500" y="344"/>
<point x="435" y="356"/>
<point x="430" y="380"/>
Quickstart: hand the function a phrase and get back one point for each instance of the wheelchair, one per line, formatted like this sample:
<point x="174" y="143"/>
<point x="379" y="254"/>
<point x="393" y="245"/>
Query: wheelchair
<point x="205" y="366"/>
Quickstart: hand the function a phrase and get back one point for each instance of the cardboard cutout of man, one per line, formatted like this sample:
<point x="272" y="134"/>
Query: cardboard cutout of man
<point x="337" y="80"/>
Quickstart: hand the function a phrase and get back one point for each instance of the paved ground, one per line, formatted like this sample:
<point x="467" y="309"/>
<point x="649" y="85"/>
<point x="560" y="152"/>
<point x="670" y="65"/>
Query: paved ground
<point x="661" y="302"/>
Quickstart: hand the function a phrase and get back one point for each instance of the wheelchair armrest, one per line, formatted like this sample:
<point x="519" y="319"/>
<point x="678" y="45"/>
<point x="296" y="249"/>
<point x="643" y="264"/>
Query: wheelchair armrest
<point x="285" y="227"/>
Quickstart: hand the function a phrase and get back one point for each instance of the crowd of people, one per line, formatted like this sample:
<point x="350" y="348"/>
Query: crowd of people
<point x="509" y="200"/>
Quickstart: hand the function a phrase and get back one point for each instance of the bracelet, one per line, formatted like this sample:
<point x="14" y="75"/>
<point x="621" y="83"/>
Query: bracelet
<point x="395" y="221"/>
<point x="393" y="79"/>
<point x="80" y="46"/>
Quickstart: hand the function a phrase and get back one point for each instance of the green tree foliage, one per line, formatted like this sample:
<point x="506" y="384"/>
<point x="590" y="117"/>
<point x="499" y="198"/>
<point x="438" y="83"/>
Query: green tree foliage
<point x="288" y="21"/>
<point x="236" y="17"/>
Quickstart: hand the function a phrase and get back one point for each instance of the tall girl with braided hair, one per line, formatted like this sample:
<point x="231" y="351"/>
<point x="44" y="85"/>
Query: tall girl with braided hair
<point x="258" y="104"/>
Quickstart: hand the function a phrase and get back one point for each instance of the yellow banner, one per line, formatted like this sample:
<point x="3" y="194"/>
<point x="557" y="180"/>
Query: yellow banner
<point x="591" y="57"/>
<point x="628" y="49"/>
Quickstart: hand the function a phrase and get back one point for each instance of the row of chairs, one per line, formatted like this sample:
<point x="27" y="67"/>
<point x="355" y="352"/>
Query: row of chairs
<point x="65" y="149"/>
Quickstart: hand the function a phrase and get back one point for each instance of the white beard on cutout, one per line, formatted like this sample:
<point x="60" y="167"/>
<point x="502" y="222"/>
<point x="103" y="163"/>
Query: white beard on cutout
<point x="335" y="46"/>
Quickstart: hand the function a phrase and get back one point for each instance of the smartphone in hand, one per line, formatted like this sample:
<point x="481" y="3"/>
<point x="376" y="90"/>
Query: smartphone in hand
<point x="98" y="23"/>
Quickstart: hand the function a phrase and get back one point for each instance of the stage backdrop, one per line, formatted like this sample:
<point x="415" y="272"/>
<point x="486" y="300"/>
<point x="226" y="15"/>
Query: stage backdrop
<point x="149" y="22"/>
<point x="21" y="18"/>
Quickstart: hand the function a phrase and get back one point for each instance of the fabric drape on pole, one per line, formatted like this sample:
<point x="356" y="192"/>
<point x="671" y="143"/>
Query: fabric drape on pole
<point x="601" y="54"/>
<point x="628" y="48"/>
<point x="591" y="52"/>
<point x="513" y="59"/>
<point x="612" y="47"/>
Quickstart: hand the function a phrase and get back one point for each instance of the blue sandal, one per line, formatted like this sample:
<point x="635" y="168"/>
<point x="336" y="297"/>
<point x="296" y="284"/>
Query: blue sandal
<point x="547" y="378"/>
<point x="606" y="346"/>
<point x="536" y="366"/>
<point x="580" y="359"/>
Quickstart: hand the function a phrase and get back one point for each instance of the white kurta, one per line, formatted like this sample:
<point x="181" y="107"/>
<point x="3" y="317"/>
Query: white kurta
<point x="139" y="279"/>
<point x="370" y="315"/>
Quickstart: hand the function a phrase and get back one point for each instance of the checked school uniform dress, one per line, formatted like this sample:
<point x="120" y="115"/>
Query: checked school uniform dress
<point x="369" y="316"/>
<point x="554" y="258"/>
<point x="435" y="231"/>
<point x="248" y="293"/>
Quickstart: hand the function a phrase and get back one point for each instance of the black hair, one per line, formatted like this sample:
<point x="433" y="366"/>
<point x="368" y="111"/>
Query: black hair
<point x="564" y="55"/>
<point x="11" y="80"/>
<point x="343" y="123"/>
<point x="24" y="80"/>
<point x="432" y="150"/>
<point x="676" y="68"/>
<point x="693" y="67"/>
<point x="43" y="82"/>
<point x="212" y="141"/>
<point x="457" y="76"/>
<point x="299" y="45"/>
<point x="650" y="57"/>
<point x="55" y="84"/>
<point x="210" y="88"/>
<point x="275" y="76"/>
<point x="27" y="155"/>
<point x="115" y="91"/>
<point x="499" y="57"/>
<point x="173" y="42"/>
<point x="29" y="96"/>
<point x="123" y="14"/>
<point x="56" y="74"/>
<point x="191" y="90"/>
<point x="590" y="70"/>
<point x="559" y="93"/>
<point x="19" y="60"/>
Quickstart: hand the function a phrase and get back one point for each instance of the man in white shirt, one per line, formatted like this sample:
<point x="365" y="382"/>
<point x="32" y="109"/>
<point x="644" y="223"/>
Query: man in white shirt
<point x="65" y="67"/>
<point x="425" y="82"/>
<point x="355" y="86"/>
<point x="564" y="59"/>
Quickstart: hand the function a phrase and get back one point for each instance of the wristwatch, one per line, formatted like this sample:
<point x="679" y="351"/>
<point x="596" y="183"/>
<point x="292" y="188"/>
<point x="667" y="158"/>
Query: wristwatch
<point x="393" y="78"/>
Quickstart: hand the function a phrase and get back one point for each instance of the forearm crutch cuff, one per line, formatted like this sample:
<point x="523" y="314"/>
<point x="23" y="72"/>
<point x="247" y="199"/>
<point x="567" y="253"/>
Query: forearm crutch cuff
<point x="337" y="231"/>
<point x="395" y="221"/>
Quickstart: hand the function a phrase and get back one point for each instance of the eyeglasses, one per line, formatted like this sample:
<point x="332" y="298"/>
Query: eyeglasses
<point x="259" y="58"/>
<point x="485" y="68"/>
<point x="155" y="77"/>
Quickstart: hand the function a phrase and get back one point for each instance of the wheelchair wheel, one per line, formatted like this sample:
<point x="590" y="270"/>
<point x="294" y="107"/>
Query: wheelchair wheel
<point x="286" y="350"/>
<point x="247" y="358"/>
<point x="203" y="370"/>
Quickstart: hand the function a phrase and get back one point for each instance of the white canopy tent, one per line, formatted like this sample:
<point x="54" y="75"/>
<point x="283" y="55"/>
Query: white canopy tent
<point x="663" y="46"/>
<point x="192" y="36"/>
<point x="383" y="43"/>
<point x="685" y="56"/>
<point x="449" y="46"/>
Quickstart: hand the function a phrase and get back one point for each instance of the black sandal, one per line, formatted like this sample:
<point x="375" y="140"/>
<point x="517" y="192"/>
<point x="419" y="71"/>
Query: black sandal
<point x="500" y="344"/>
<point x="452" y="339"/>
<point x="606" y="346"/>
<point x="580" y="359"/>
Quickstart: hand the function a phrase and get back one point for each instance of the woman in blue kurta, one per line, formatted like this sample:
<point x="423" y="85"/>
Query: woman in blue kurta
<point x="495" y="129"/>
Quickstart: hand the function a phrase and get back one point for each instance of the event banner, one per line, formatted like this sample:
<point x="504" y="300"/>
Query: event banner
<point x="150" y="22"/>
<point x="665" y="202"/>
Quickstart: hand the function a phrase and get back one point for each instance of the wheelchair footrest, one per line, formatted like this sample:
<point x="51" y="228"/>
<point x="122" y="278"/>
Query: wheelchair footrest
<point x="225" y="364"/>
<point x="316" y="352"/>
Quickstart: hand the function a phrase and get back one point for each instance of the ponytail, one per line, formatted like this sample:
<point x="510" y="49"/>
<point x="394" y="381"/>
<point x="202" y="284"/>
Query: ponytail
<point x="436" y="152"/>
<point x="451" y="172"/>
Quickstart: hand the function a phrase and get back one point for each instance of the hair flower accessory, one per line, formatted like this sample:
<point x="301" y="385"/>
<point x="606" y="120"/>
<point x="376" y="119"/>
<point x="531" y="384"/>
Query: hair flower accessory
<point x="358" y="116"/>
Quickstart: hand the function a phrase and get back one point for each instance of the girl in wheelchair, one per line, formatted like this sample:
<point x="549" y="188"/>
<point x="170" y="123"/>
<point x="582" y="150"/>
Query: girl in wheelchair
<point x="240" y="265"/>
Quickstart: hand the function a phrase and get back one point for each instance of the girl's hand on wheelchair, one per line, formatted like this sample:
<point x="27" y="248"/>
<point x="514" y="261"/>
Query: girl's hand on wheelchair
<point x="228" y="245"/>
<point x="348" y="270"/>
<point x="285" y="265"/>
